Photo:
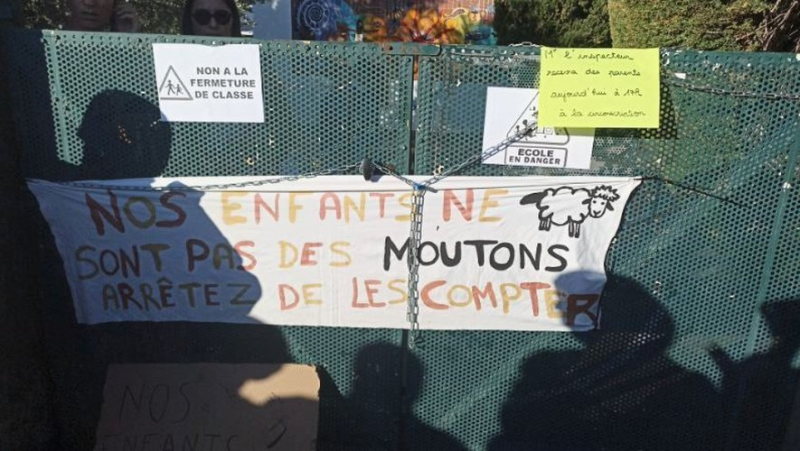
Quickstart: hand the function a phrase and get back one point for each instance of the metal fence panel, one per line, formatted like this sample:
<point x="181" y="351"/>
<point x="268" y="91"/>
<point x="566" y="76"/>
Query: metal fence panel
<point x="325" y="105"/>
<point x="689" y="356"/>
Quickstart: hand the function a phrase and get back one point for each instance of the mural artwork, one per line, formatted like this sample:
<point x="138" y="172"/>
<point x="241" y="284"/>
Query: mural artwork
<point x="427" y="21"/>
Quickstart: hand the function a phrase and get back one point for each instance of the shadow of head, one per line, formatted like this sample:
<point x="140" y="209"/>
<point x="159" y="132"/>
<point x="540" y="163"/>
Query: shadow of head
<point x="123" y="137"/>
<point x="626" y="309"/>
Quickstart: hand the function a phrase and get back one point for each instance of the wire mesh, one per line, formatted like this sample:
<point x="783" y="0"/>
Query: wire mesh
<point x="705" y="262"/>
<point x="86" y="108"/>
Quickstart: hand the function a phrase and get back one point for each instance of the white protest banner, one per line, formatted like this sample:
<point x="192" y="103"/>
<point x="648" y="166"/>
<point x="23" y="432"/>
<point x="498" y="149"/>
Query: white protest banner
<point x="199" y="83"/>
<point x="509" y="111"/>
<point x="522" y="253"/>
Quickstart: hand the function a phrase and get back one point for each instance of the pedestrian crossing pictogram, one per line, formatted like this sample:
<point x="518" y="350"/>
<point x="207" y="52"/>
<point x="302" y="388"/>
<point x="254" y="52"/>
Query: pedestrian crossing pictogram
<point x="172" y="87"/>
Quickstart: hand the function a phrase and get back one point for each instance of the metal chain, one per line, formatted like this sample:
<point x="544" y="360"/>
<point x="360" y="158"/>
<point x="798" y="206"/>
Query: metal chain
<point x="483" y="156"/>
<point x="479" y="157"/>
<point x="390" y="171"/>
<point x="415" y="233"/>
<point x="222" y="186"/>
<point x="414" y="242"/>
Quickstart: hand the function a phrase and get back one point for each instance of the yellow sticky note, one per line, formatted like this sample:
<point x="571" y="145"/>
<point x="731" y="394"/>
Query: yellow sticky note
<point x="599" y="88"/>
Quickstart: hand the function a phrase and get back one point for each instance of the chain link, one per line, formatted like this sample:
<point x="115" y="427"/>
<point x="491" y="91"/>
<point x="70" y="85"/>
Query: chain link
<point x="222" y="186"/>
<point x="414" y="242"/>
<point x="483" y="156"/>
<point x="415" y="233"/>
<point x="390" y="171"/>
<point x="479" y="157"/>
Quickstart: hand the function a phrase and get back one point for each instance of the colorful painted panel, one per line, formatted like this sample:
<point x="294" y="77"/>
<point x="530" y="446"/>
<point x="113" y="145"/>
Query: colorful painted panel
<point x="432" y="22"/>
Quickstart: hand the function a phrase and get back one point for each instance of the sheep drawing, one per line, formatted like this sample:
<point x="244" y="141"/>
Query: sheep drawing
<point x="570" y="207"/>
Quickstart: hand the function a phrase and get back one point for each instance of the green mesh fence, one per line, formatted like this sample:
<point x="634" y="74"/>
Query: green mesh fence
<point x="701" y="315"/>
<point x="326" y="106"/>
<point x="702" y="307"/>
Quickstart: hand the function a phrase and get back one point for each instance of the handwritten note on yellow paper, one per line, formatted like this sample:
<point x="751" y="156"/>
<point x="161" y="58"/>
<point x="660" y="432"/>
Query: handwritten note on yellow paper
<point x="599" y="88"/>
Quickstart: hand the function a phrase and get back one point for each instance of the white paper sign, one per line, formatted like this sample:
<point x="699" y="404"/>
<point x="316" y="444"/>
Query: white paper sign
<point x="510" y="110"/>
<point x="507" y="253"/>
<point x="199" y="83"/>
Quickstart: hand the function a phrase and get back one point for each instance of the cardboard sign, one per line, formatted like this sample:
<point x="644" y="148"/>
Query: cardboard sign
<point x="522" y="253"/>
<point x="151" y="407"/>
<point x="198" y="83"/>
<point x="509" y="111"/>
<point x="608" y="88"/>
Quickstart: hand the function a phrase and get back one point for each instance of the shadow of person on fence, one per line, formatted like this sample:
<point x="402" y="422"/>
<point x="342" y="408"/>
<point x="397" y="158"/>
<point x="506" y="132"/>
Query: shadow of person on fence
<point x="619" y="392"/>
<point x="123" y="137"/>
<point x="760" y="391"/>
<point x="378" y="414"/>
